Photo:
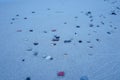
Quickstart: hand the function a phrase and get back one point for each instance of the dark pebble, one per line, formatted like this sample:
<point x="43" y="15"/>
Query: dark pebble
<point x="54" y="44"/>
<point x="45" y="31"/>
<point x="35" y="43"/>
<point x="97" y="39"/>
<point x="90" y="46"/>
<point x="33" y="11"/>
<point x="13" y="19"/>
<point x="11" y="23"/>
<point x="102" y="23"/>
<point x="88" y="41"/>
<point x="17" y="15"/>
<point x="30" y="30"/>
<point x="28" y="78"/>
<point x="75" y="33"/>
<point x="90" y="16"/>
<point x="51" y="58"/>
<point x="91" y="25"/>
<point x="56" y="38"/>
<point x="67" y="41"/>
<point x="25" y="17"/>
<point x="23" y="60"/>
<point x="65" y="22"/>
<point x="88" y="13"/>
<point x="84" y="78"/>
<point x="48" y="9"/>
<point x="115" y="27"/>
<point x="108" y="32"/>
<point x="80" y="41"/>
<point x="35" y="53"/>
<point x="97" y="26"/>
<point x="77" y="26"/>
<point x="113" y="13"/>
<point x="76" y="17"/>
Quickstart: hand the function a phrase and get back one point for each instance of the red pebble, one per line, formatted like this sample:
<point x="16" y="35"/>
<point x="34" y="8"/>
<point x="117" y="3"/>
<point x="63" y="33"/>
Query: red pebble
<point x="54" y="30"/>
<point x="61" y="73"/>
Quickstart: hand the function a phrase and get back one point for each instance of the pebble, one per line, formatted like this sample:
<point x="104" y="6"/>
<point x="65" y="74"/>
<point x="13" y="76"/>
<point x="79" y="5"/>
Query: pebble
<point x="30" y="30"/>
<point x="90" y="46"/>
<point x="53" y="44"/>
<point x="33" y="11"/>
<point x="65" y="22"/>
<point x="61" y="73"/>
<point x="19" y="30"/>
<point x="113" y="13"/>
<point x="13" y="19"/>
<point x="88" y="41"/>
<point x="45" y="31"/>
<point x="35" y="53"/>
<point x="97" y="39"/>
<point x="36" y="43"/>
<point x="53" y="30"/>
<point x="77" y="26"/>
<point x="23" y="60"/>
<point x="91" y="25"/>
<point x="48" y="57"/>
<point x="17" y="15"/>
<point x="108" y="32"/>
<point x="25" y="17"/>
<point x="56" y="38"/>
<point x="29" y="49"/>
<point x="67" y="41"/>
<point x="84" y="78"/>
<point x="80" y="41"/>
<point x="28" y="78"/>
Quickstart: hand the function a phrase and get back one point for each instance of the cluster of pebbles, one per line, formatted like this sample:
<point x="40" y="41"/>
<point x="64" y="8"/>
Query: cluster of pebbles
<point x="58" y="38"/>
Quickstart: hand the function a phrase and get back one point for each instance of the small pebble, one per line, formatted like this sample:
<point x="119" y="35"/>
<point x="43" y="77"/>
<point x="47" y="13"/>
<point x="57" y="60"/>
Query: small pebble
<point x="25" y="17"/>
<point x="17" y="14"/>
<point x="97" y="39"/>
<point x="28" y="78"/>
<point x="30" y="30"/>
<point x="19" y="30"/>
<point x="29" y="49"/>
<point x="67" y="41"/>
<point x="65" y="54"/>
<point x="80" y="41"/>
<point x="35" y="53"/>
<point x="45" y="31"/>
<point x="113" y="13"/>
<point x="11" y="22"/>
<point x="108" y="32"/>
<point x="54" y="44"/>
<point x="76" y="17"/>
<point x="91" y="25"/>
<point x="97" y="26"/>
<point x="48" y="9"/>
<point x="61" y="73"/>
<point x="77" y="26"/>
<point x="65" y="22"/>
<point x="48" y="57"/>
<point x="88" y="41"/>
<point x="33" y="11"/>
<point x="75" y="33"/>
<point x="90" y="46"/>
<point x="84" y="78"/>
<point x="35" y="43"/>
<point x="23" y="60"/>
<point x="13" y="19"/>
<point x="53" y="30"/>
